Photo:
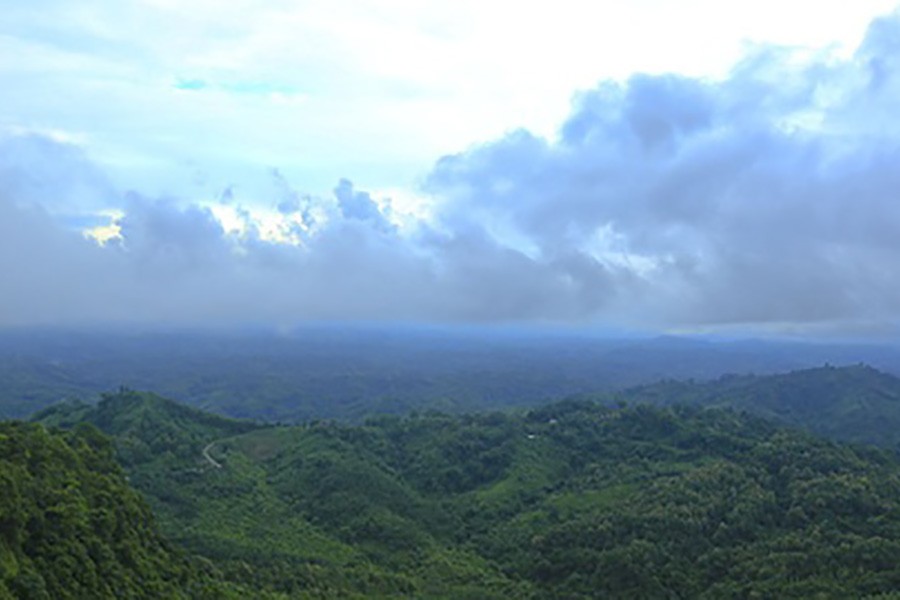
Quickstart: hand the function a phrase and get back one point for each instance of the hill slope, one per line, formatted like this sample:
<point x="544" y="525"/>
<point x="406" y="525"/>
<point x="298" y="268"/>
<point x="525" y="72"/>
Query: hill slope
<point x="70" y="527"/>
<point x="222" y="505"/>
<point x="572" y="500"/>
<point x="146" y="426"/>
<point x="853" y="404"/>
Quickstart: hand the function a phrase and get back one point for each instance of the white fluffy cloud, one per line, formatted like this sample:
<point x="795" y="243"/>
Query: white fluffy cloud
<point x="767" y="198"/>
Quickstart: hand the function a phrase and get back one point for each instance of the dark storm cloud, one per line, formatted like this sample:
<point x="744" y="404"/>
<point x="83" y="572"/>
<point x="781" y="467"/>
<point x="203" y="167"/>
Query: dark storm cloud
<point x="769" y="197"/>
<point x="171" y="240"/>
<point x="773" y="195"/>
<point x="49" y="273"/>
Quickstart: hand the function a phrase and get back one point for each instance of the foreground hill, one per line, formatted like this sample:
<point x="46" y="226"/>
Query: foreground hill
<point x="853" y="404"/>
<point x="70" y="527"/>
<point x="573" y="500"/>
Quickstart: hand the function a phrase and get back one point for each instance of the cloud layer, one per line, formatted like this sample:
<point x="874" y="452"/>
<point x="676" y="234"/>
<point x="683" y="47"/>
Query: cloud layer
<point x="770" y="198"/>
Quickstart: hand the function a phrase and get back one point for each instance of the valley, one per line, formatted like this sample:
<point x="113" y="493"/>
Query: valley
<point x="692" y="497"/>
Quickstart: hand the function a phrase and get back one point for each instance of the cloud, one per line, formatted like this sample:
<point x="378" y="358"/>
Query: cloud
<point x="360" y="206"/>
<point x="767" y="198"/>
<point x="170" y="240"/>
<point x="39" y="170"/>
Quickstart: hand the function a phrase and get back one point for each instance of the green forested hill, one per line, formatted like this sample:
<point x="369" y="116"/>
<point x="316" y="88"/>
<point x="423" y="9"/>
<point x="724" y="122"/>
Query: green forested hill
<point x="573" y="500"/>
<point x="350" y="372"/>
<point x="70" y="526"/>
<point x="853" y="404"/>
<point x="147" y="427"/>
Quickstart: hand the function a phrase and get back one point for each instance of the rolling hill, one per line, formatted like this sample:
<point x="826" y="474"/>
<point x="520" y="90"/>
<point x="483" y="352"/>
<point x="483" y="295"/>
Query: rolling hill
<point x="856" y="404"/>
<point x="570" y="500"/>
<point x="351" y="373"/>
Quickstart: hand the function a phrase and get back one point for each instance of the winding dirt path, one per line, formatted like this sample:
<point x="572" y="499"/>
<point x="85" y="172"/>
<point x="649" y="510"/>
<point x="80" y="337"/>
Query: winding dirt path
<point x="209" y="458"/>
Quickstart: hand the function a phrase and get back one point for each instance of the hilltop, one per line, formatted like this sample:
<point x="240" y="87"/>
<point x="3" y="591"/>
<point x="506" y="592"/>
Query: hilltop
<point x="146" y="426"/>
<point x="570" y="500"/>
<point x="856" y="403"/>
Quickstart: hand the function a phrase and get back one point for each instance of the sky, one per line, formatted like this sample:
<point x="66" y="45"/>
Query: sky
<point x="682" y="167"/>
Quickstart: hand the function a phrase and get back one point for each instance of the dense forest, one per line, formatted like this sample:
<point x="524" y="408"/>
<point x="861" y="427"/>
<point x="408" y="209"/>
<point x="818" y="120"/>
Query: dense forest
<point x="571" y="500"/>
<point x="853" y="404"/>
<point x="330" y="372"/>
<point x="71" y="527"/>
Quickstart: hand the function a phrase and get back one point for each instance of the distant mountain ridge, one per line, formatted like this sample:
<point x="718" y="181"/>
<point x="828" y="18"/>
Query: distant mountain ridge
<point x="352" y="373"/>
<point x="856" y="403"/>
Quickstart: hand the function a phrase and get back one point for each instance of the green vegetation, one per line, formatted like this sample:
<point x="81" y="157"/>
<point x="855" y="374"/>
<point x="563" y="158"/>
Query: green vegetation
<point x="855" y="404"/>
<point x="70" y="527"/>
<point x="573" y="500"/>
<point x="349" y="373"/>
